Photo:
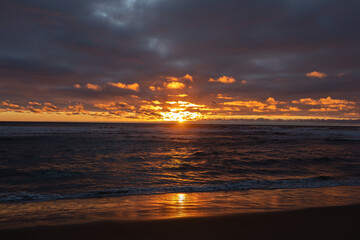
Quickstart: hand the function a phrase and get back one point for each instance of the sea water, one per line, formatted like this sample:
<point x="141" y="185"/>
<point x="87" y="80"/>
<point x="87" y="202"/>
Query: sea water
<point x="58" y="164"/>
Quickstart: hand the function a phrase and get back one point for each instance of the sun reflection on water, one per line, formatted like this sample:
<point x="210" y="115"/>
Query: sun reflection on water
<point x="174" y="205"/>
<point x="181" y="198"/>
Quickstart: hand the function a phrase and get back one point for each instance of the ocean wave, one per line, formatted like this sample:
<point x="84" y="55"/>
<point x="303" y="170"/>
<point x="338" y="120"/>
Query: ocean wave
<point x="39" y="174"/>
<point x="316" y="182"/>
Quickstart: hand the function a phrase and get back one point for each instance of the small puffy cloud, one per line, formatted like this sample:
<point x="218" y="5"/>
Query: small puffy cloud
<point x="93" y="87"/>
<point x="290" y="109"/>
<point x="34" y="103"/>
<point x="294" y="109"/>
<point x="272" y="101"/>
<point x="316" y="74"/>
<point x="174" y="85"/>
<point x="243" y="82"/>
<point x="10" y="105"/>
<point x="308" y="101"/>
<point x="77" y="86"/>
<point x="223" y="79"/>
<point x="188" y="77"/>
<point x="49" y="107"/>
<point x="176" y="79"/>
<point x="134" y="86"/>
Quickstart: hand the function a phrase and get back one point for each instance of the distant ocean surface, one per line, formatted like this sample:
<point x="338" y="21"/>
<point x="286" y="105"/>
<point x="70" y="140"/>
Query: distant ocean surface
<point x="56" y="161"/>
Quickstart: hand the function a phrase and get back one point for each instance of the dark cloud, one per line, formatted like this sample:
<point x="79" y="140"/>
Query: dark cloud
<point x="49" y="46"/>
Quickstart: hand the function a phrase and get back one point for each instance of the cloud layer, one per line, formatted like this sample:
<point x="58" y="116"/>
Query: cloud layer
<point x="225" y="59"/>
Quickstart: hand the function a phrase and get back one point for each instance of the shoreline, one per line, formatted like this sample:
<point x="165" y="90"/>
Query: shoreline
<point x="171" y="206"/>
<point x="338" y="222"/>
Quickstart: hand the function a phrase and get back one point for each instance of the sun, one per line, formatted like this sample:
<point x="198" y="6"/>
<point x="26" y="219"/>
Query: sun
<point x="180" y="119"/>
<point x="173" y="116"/>
<point x="180" y="115"/>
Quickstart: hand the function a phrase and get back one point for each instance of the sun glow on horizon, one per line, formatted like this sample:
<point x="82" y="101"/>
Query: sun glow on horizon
<point x="175" y="110"/>
<point x="180" y="116"/>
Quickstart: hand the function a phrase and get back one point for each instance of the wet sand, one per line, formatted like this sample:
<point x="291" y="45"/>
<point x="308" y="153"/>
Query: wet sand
<point x="314" y="223"/>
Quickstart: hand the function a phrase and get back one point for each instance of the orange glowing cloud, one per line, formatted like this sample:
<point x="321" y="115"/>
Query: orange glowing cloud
<point x="249" y="104"/>
<point x="270" y="105"/>
<point x="308" y="101"/>
<point x="173" y="79"/>
<point x="188" y="77"/>
<point x="93" y="87"/>
<point x="325" y="101"/>
<point x="316" y="74"/>
<point x="327" y="104"/>
<point x="174" y="85"/>
<point x="134" y="86"/>
<point x="153" y="88"/>
<point x="10" y="105"/>
<point x="48" y="108"/>
<point x="221" y="96"/>
<point x="330" y="101"/>
<point x="271" y="100"/>
<point x="171" y="110"/>
<point x="176" y="79"/>
<point x="150" y="107"/>
<point x="223" y="79"/>
<point x="179" y="95"/>
<point x="290" y="109"/>
<point x="34" y="103"/>
<point x="323" y="110"/>
<point x="115" y="106"/>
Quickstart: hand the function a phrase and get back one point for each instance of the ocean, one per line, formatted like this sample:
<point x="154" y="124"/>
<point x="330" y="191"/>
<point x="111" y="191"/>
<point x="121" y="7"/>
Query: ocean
<point x="52" y="172"/>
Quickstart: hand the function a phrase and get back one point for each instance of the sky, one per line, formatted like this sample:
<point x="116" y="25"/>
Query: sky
<point x="179" y="60"/>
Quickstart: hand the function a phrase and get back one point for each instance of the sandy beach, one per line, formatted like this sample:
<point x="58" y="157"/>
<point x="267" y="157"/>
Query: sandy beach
<point x="313" y="223"/>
